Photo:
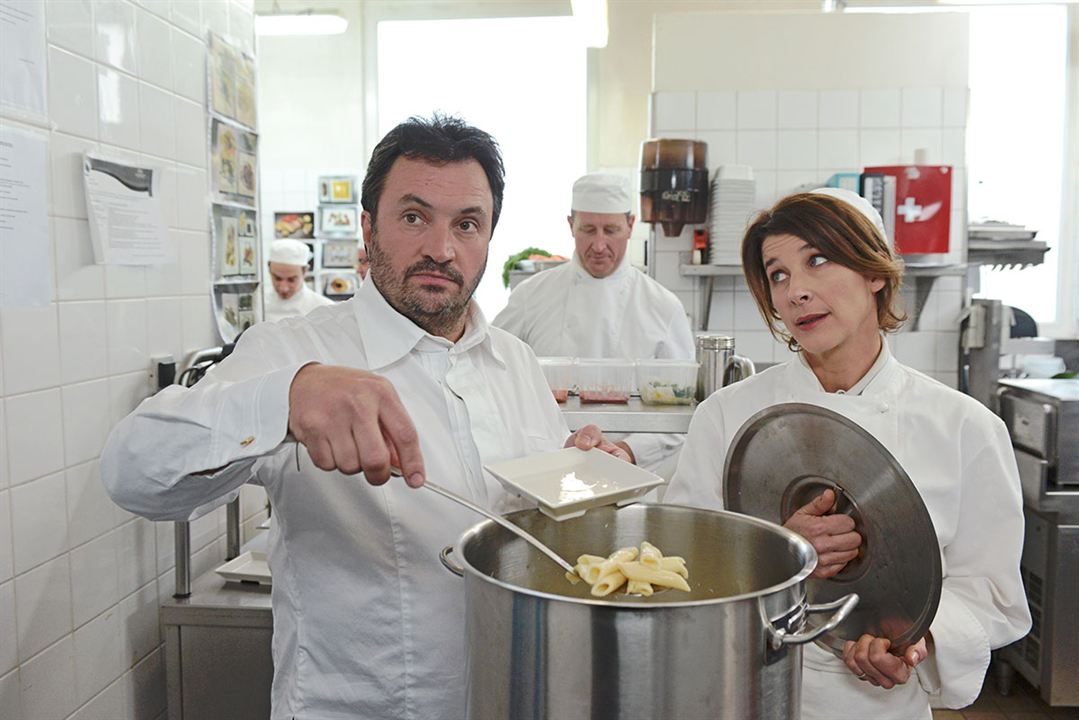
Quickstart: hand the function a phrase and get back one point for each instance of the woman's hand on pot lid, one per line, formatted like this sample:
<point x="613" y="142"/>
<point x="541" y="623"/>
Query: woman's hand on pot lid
<point x="870" y="659"/>
<point x="590" y="436"/>
<point x="831" y="534"/>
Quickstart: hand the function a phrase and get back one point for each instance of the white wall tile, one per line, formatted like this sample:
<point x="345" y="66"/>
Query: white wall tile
<point x="922" y="107"/>
<point x="879" y="108"/>
<point x="127" y="336"/>
<point x="70" y="25"/>
<point x="838" y="149"/>
<point x="757" y="109"/>
<point x="86" y="420"/>
<point x="7" y="553"/>
<point x="126" y="392"/>
<point x="118" y="108"/>
<point x="766" y="187"/>
<point x="192" y="203"/>
<point x="758" y="345"/>
<point x="34" y="435"/>
<point x="721" y="314"/>
<point x="198" y="322"/>
<point x="48" y="683"/>
<point x="31" y="348"/>
<point x="797" y="109"/>
<point x="746" y="315"/>
<point x="91" y="513"/>
<point x="674" y="111"/>
<point x="164" y="280"/>
<point x="108" y="705"/>
<point x="194" y="251"/>
<point x="188" y="66"/>
<point x="252" y="500"/>
<point x="125" y="282"/>
<point x="190" y="132"/>
<point x="39" y="521"/>
<point x="83" y="341"/>
<point x="166" y="556"/>
<point x="204" y="530"/>
<point x="215" y="17"/>
<point x="146" y="687"/>
<point x="186" y="15"/>
<point x="42" y="606"/>
<point x="953" y="147"/>
<point x="167" y="188"/>
<point x="135" y="543"/>
<point x="65" y="178"/>
<point x="165" y="328"/>
<point x="947" y="352"/>
<point x="153" y="47"/>
<point x="72" y="94"/>
<point x="757" y="148"/>
<point x="78" y="277"/>
<point x="140" y="633"/>
<point x="796" y="149"/>
<point x="8" y="655"/>
<point x="918" y="349"/>
<point x="789" y="181"/>
<point x="716" y="110"/>
<point x="10" y="705"/>
<point x="94" y="577"/>
<point x="242" y="27"/>
<point x="838" y="109"/>
<point x="157" y="126"/>
<point x="954" y="110"/>
<point x="115" y="38"/>
<point x="928" y="139"/>
<point x="99" y="656"/>
<point x="722" y="147"/>
<point x="879" y="147"/>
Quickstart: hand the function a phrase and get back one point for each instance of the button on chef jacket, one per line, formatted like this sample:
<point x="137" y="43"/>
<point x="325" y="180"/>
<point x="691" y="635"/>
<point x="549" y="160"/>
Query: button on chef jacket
<point x="302" y="302"/>
<point x="565" y="311"/>
<point x="367" y="623"/>
<point x="959" y="457"/>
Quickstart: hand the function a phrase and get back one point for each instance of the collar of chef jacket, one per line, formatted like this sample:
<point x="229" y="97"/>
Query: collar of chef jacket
<point x="583" y="275"/>
<point x="866" y="380"/>
<point x="388" y="335"/>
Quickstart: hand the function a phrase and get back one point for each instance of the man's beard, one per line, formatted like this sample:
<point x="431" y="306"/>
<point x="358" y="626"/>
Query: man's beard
<point x="438" y="314"/>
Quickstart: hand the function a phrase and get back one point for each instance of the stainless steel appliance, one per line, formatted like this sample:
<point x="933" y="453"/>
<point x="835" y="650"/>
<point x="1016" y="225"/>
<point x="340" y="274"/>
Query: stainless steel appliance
<point x="719" y="366"/>
<point x="540" y="648"/>
<point x="1043" y="419"/>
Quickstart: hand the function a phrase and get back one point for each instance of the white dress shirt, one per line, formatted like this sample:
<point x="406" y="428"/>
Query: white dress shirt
<point x="367" y="623"/>
<point x="959" y="457"/>
<point x="302" y="302"/>
<point x="565" y="311"/>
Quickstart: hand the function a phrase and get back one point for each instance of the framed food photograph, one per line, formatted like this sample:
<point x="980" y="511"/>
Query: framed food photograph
<point x="339" y="254"/>
<point x="223" y="157"/>
<point x="295" y="225"/>
<point x="230" y="245"/>
<point x="337" y="189"/>
<point x="222" y="70"/>
<point x="339" y="221"/>
<point x="245" y="90"/>
<point x="247" y="223"/>
<point x="246" y="176"/>
<point x="248" y="264"/>
<point x="339" y="284"/>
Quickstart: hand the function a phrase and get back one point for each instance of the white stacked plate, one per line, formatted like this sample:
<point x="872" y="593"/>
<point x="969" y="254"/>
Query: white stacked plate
<point x="733" y="206"/>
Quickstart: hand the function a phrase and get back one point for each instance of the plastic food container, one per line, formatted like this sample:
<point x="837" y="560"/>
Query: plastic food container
<point x="561" y="374"/>
<point x="605" y="381"/>
<point x="667" y="382"/>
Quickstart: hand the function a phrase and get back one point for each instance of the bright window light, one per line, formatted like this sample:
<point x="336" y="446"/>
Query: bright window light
<point x="518" y="79"/>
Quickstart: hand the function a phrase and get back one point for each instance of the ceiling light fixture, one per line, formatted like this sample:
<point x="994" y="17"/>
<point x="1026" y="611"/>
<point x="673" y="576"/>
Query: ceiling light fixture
<point x="304" y="22"/>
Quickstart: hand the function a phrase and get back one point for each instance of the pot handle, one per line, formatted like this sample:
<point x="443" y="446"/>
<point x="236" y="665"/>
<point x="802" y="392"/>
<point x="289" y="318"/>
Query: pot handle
<point x="843" y="607"/>
<point x="453" y="567"/>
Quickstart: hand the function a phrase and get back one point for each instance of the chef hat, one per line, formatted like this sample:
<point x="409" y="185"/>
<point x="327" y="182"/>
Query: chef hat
<point x="858" y="202"/>
<point x="289" y="252"/>
<point x="601" y="193"/>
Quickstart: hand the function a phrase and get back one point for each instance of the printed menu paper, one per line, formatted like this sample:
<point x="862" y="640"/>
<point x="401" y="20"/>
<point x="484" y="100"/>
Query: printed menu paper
<point x="25" y="260"/>
<point x="127" y="226"/>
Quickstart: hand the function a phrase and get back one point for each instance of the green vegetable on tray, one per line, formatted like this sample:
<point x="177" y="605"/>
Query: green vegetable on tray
<point x="511" y="263"/>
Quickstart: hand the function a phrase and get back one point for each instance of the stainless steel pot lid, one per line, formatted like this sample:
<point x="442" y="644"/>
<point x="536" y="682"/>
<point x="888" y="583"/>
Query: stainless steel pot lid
<point x="786" y="455"/>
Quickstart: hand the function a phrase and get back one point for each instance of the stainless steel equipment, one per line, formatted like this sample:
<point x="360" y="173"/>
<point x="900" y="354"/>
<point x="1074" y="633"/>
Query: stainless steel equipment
<point x="788" y="454"/>
<point x="1043" y="419"/>
<point x="719" y="365"/>
<point x="540" y="648"/>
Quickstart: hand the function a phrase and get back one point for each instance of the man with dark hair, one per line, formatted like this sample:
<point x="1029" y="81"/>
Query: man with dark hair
<point x="407" y="374"/>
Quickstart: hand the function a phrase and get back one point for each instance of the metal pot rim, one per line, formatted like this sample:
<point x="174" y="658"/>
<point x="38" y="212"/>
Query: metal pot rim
<point x="790" y="535"/>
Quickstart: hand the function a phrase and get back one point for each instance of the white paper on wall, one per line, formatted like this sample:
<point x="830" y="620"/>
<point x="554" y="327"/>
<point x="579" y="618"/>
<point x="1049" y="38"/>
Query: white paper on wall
<point x="127" y="224"/>
<point x="22" y="57"/>
<point x="25" y="260"/>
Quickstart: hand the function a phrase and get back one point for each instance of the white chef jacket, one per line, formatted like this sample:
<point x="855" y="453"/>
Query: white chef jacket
<point x="959" y="457"/>
<point x="302" y="302"/>
<point x="565" y="311"/>
<point x="367" y="623"/>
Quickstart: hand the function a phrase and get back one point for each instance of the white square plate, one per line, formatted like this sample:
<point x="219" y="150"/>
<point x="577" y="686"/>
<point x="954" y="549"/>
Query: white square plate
<point x="568" y="482"/>
<point x="248" y="567"/>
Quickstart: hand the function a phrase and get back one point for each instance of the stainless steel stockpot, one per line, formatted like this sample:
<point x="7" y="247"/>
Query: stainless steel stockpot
<point x="542" y="648"/>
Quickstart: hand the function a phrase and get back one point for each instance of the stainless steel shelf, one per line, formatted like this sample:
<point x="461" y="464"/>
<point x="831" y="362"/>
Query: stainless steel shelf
<point x="634" y="416"/>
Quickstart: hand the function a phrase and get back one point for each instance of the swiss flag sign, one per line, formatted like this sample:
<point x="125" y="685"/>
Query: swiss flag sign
<point x="923" y="206"/>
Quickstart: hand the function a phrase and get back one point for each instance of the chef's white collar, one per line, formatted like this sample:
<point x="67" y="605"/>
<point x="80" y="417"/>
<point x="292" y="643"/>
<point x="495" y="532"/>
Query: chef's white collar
<point x="874" y="370"/>
<point x="583" y="274"/>
<point x="388" y="335"/>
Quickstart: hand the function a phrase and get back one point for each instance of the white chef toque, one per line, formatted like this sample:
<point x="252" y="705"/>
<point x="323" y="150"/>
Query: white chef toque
<point x="858" y="202"/>
<point x="601" y="193"/>
<point x="289" y="252"/>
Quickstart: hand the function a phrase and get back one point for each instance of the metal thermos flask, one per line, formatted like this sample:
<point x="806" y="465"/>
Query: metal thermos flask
<point x="719" y="365"/>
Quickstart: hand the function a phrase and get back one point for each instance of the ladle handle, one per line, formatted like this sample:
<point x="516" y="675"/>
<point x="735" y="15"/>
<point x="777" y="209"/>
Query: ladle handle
<point x="521" y="533"/>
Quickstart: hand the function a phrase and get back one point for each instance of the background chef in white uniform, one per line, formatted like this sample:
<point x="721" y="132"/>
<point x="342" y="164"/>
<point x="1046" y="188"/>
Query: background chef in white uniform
<point x="367" y="623"/>
<point x="819" y="264"/>
<point x="597" y="305"/>
<point x="287" y="294"/>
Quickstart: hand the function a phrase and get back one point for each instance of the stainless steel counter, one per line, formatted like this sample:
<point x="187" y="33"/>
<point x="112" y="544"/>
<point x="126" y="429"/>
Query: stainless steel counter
<point x="634" y="416"/>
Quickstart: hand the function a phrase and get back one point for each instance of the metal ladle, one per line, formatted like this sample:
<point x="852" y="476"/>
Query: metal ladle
<point x="516" y="530"/>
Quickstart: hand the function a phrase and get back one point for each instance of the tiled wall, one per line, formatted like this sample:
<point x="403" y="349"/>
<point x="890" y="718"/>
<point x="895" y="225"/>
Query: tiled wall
<point x="80" y="579"/>
<point x="797" y="137"/>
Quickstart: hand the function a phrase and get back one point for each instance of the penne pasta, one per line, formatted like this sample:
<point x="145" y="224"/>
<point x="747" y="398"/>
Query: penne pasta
<point x="674" y="564"/>
<point x="608" y="584"/>
<point x="650" y="555"/>
<point x="635" y="587"/>
<point x="643" y="573"/>
<point x="638" y="571"/>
